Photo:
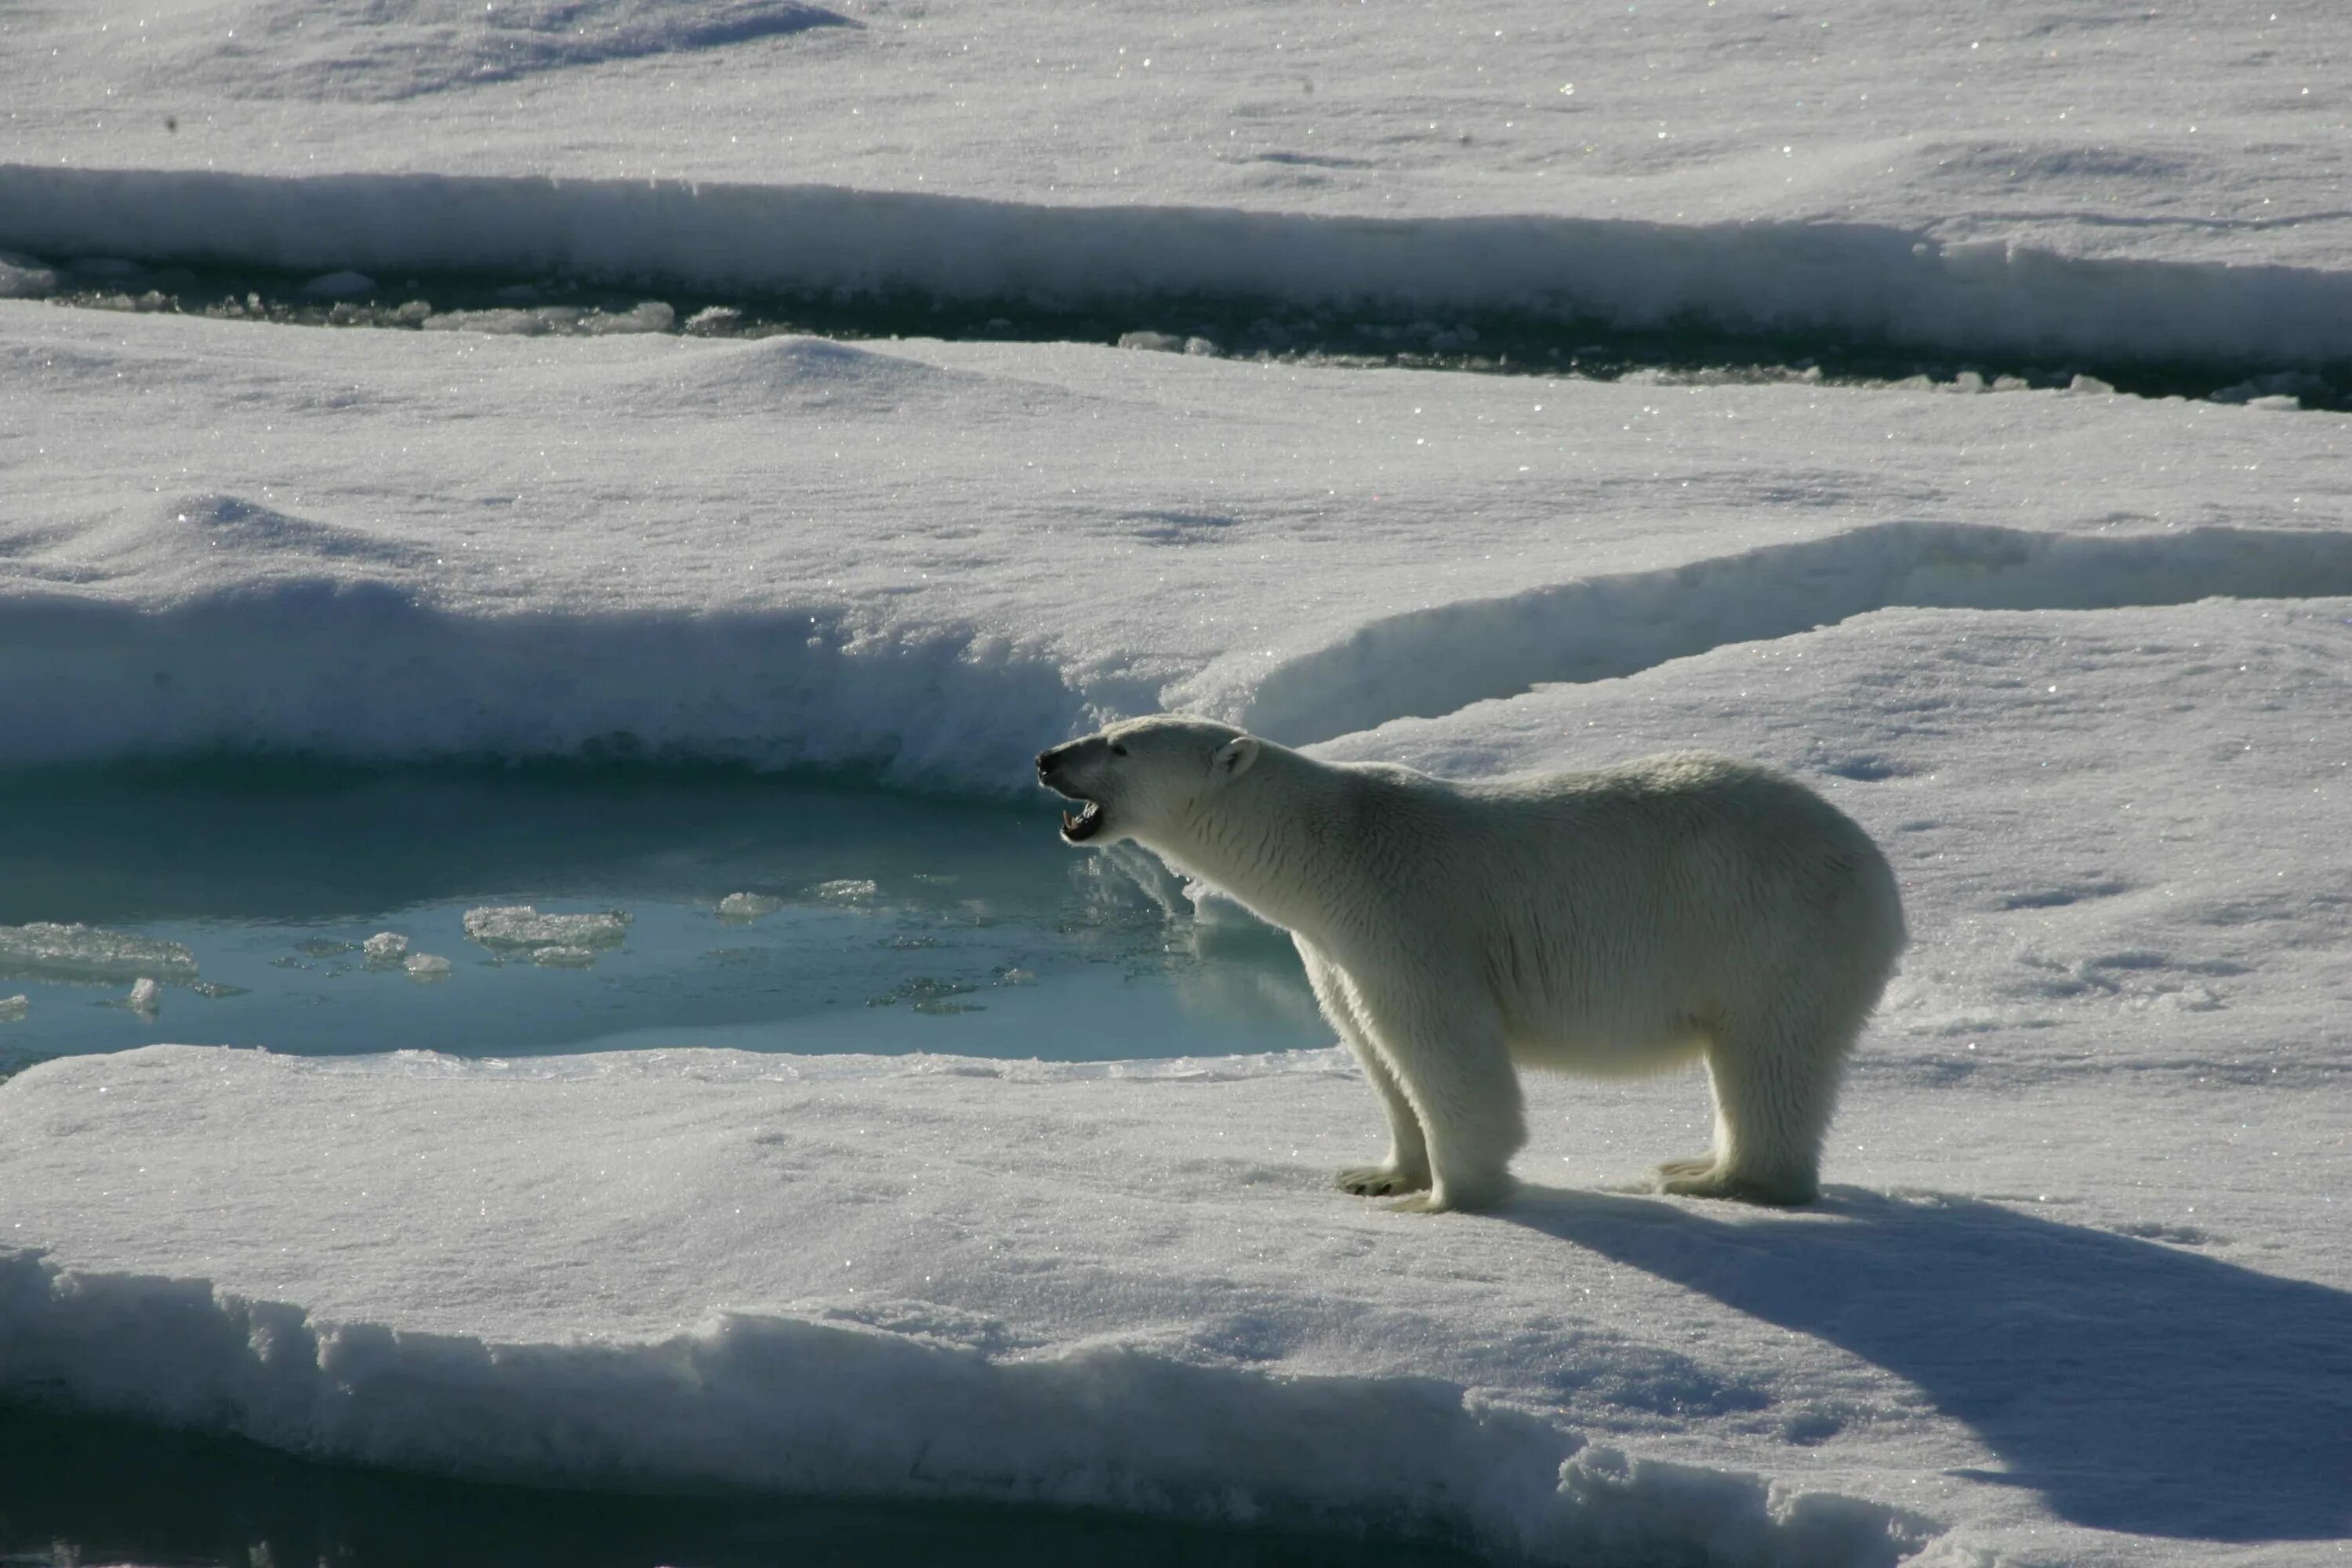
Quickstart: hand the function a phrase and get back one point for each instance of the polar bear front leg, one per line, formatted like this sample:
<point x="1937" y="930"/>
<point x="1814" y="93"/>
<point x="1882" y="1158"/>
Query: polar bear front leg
<point x="1406" y="1169"/>
<point x="1443" y="1044"/>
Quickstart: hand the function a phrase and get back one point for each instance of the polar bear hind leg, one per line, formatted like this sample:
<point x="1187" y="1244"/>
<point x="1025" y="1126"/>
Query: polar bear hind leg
<point x="1775" y="1081"/>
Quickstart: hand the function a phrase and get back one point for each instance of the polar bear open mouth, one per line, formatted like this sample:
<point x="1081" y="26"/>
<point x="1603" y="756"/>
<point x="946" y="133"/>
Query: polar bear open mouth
<point x="1077" y="827"/>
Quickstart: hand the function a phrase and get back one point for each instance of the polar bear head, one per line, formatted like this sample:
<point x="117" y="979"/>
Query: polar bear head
<point x="1147" y="779"/>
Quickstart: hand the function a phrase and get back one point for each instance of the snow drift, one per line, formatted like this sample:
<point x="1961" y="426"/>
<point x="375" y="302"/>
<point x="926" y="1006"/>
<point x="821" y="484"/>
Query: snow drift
<point x="1847" y="282"/>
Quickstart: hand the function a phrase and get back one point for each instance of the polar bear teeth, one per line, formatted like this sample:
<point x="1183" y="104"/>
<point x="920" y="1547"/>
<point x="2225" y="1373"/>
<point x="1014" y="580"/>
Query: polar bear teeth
<point x="1079" y="825"/>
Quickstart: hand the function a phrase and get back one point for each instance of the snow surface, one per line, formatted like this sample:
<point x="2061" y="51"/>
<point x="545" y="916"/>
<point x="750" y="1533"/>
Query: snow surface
<point x="2165" y="183"/>
<point x="797" y="550"/>
<point x="2082" y="1290"/>
<point x="2202" y="130"/>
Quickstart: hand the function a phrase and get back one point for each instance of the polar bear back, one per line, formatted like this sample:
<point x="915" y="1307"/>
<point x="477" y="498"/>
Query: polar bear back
<point x="1629" y="908"/>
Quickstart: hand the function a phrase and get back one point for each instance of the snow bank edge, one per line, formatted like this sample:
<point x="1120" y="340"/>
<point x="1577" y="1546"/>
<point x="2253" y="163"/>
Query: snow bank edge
<point x="798" y="1406"/>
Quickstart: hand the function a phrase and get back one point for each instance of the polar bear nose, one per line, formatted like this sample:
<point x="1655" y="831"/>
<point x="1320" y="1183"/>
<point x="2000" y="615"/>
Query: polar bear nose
<point x="1049" y="760"/>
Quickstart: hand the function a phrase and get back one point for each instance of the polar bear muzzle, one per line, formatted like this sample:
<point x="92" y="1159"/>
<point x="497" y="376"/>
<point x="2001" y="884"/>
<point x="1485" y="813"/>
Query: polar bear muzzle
<point x="1079" y="825"/>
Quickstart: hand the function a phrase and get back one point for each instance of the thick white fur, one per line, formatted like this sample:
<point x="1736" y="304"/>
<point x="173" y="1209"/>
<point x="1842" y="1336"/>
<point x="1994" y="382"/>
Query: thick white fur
<point x="1614" y="922"/>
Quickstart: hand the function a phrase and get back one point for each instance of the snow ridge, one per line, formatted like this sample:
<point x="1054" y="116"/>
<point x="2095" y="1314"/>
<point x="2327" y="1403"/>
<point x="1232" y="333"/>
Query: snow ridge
<point x="361" y="671"/>
<point x="800" y="1405"/>
<point x="1860" y="282"/>
<point x="1434" y="661"/>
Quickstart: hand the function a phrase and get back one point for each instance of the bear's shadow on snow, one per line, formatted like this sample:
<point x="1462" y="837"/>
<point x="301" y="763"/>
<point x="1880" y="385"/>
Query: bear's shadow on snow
<point x="2137" y="1387"/>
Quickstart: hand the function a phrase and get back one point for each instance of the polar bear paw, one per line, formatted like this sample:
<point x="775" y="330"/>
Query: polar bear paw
<point x="1387" y="1180"/>
<point x="1706" y="1178"/>
<point x="1447" y="1197"/>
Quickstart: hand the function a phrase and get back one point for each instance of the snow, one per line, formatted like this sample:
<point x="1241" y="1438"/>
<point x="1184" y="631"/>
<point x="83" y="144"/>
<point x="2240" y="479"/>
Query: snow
<point x="2080" y="1290"/>
<point x="437" y="543"/>
<point x="2201" y="130"/>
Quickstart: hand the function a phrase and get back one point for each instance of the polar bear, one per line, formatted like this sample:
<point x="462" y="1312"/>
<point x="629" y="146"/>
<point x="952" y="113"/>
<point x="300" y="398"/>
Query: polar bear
<point x="1614" y="922"/>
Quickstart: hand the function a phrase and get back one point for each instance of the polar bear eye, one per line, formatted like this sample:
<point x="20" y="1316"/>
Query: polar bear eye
<point x="1117" y="750"/>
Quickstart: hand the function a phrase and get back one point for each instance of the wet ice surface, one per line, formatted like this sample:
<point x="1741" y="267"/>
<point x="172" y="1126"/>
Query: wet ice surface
<point x="498" y="912"/>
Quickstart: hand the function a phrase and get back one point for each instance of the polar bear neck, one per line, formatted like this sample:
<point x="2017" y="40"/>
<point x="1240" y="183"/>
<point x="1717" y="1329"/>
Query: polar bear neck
<point x="1277" y="839"/>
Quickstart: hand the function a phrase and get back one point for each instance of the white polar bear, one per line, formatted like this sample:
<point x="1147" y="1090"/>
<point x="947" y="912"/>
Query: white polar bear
<point x="1613" y="922"/>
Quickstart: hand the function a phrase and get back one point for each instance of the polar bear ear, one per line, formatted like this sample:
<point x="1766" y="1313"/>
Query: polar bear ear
<point x="1233" y="758"/>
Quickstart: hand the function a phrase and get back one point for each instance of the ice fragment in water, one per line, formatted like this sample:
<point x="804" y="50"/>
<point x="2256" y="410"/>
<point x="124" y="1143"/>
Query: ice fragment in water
<point x="384" y="948"/>
<point x="14" y="1007"/>
<point x="846" y="888"/>
<point x="427" y="966"/>
<point x="146" y="997"/>
<point x="21" y="278"/>
<point x="324" y="947"/>
<point x="513" y="927"/>
<point x="79" y="952"/>
<point x="564" y="957"/>
<point x="741" y="907"/>
<point x="652" y="316"/>
<point x="213" y="990"/>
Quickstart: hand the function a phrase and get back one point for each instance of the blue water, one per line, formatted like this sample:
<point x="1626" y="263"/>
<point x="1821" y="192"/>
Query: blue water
<point x="903" y="924"/>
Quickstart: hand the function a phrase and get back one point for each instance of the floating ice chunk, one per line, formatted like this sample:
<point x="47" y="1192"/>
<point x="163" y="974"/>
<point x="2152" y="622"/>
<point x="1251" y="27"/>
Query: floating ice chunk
<point x="146" y="997"/>
<point x="2265" y="391"/>
<point x="213" y="990"/>
<point x="14" y="1007"/>
<point x="714" y="319"/>
<point x="1156" y="343"/>
<point x="845" y="888"/>
<point x="343" y="284"/>
<point x="21" y="278"/>
<point x="43" y="951"/>
<point x="741" y="907"/>
<point x="509" y="324"/>
<point x="384" y="948"/>
<point x="427" y="966"/>
<point x="653" y="316"/>
<point x="2089" y="385"/>
<point x="513" y="927"/>
<point x="1203" y="348"/>
<point x="564" y="957"/>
